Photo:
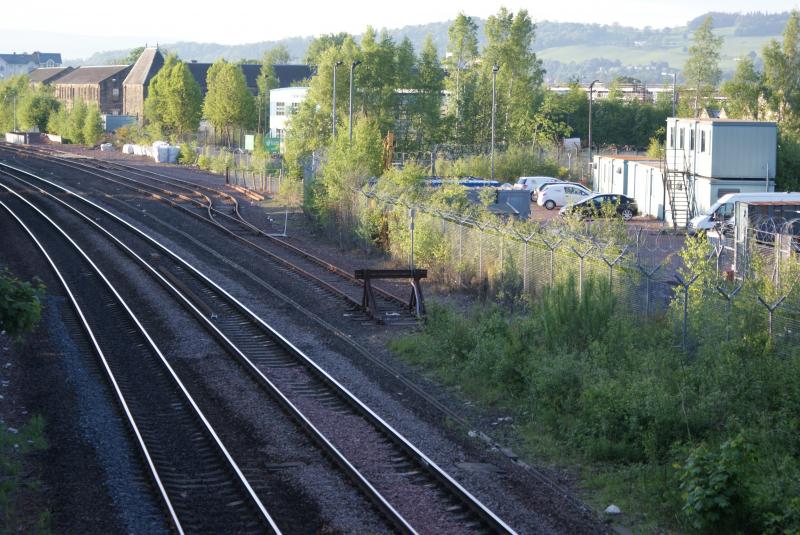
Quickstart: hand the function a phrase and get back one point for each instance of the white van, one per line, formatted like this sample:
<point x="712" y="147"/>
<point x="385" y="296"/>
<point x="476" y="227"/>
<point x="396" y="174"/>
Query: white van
<point x="562" y="194"/>
<point x="721" y="212"/>
<point x="533" y="183"/>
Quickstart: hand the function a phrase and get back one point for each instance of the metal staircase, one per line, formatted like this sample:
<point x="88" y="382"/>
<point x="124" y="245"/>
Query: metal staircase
<point x="679" y="185"/>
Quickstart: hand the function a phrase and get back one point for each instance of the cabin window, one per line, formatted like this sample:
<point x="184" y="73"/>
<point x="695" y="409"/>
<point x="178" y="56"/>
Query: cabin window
<point x="672" y="137"/>
<point x="702" y="140"/>
<point x="680" y="138"/>
<point x="691" y="139"/>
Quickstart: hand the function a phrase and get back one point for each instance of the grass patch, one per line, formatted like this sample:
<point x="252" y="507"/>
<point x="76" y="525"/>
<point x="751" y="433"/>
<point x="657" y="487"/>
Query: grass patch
<point x="15" y="445"/>
<point x="706" y="441"/>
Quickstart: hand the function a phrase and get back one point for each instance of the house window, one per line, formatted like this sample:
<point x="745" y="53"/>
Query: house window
<point x="280" y="108"/>
<point x="115" y="94"/>
<point x="691" y="139"/>
<point x="681" y="137"/>
<point x="702" y="141"/>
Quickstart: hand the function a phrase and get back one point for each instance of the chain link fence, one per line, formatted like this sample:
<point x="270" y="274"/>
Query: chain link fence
<point x="720" y="285"/>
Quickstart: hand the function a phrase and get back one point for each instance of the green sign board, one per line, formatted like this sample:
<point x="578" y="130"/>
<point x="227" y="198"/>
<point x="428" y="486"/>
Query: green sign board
<point x="272" y="144"/>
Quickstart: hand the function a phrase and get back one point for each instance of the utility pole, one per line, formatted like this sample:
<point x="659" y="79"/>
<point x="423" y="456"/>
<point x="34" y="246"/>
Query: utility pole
<point x="674" y="80"/>
<point x="334" y="98"/>
<point x="266" y="103"/>
<point x="591" y="97"/>
<point x="353" y="66"/>
<point x="495" y="68"/>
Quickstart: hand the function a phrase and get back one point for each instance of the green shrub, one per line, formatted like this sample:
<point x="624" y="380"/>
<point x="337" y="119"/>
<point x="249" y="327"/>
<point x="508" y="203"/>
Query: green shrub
<point x="619" y="394"/>
<point x="711" y="480"/>
<point x="187" y="156"/>
<point x="20" y="304"/>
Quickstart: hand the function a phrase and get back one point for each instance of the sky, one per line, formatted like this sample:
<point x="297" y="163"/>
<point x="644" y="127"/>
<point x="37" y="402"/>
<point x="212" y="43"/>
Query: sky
<point x="95" y="26"/>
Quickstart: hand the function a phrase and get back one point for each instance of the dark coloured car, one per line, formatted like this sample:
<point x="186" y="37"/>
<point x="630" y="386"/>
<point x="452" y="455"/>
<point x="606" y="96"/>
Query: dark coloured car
<point x="591" y="208"/>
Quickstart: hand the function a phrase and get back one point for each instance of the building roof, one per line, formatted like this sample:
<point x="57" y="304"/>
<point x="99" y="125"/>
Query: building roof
<point x="92" y="75"/>
<point x="44" y="57"/>
<point x="17" y="59"/>
<point x="287" y="74"/>
<point x="36" y="57"/>
<point x="149" y="63"/>
<point x="721" y="121"/>
<point x="45" y="75"/>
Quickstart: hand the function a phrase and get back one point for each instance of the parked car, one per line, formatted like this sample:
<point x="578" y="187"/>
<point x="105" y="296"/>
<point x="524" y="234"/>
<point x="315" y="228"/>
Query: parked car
<point x="624" y="206"/>
<point x="533" y="183"/>
<point x="561" y="194"/>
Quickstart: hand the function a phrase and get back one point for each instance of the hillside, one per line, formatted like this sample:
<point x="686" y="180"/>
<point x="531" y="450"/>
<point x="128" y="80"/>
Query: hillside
<point x="569" y="50"/>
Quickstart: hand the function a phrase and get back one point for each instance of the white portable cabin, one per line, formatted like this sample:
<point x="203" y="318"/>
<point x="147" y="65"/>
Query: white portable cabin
<point x="704" y="160"/>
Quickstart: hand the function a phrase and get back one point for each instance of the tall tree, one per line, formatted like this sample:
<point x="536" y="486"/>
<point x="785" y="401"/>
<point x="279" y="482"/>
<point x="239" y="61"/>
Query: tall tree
<point x="174" y="102"/>
<point x="92" y="125"/>
<point x="375" y="78"/>
<point x="77" y="118"/>
<point x="36" y="108"/>
<point x="12" y="94"/>
<point x="781" y="68"/>
<point x="702" y="72"/>
<point x="509" y="42"/>
<point x="323" y="43"/>
<point x="462" y="52"/>
<point x="268" y="80"/>
<point x="744" y="90"/>
<point x="229" y="103"/>
<point x="429" y="87"/>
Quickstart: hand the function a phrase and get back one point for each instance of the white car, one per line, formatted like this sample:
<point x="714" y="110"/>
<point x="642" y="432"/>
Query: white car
<point x="562" y="194"/>
<point x="533" y="183"/>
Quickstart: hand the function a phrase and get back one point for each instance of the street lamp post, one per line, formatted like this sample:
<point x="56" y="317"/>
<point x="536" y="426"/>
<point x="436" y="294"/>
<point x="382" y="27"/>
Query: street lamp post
<point x="495" y="68"/>
<point x="266" y="103"/>
<point x="334" y="97"/>
<point x="14" y="96"/>
<point x="674" y="79"/>
<point x="353" y="66"/>
<point x="591" y="98"/>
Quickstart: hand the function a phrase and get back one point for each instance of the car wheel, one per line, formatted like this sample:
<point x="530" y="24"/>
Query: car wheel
<point x="550" y="204"/>
<point x="627" y="214"/>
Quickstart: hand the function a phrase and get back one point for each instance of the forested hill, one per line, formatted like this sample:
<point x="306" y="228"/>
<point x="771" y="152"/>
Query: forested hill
<point x="569" y="50"/>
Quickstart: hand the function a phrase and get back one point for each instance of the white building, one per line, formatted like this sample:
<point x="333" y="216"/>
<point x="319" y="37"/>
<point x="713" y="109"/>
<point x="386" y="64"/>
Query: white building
<point x="283" y="102"/>
<point x="15" y="64"/>
<point x="705" y="159"/>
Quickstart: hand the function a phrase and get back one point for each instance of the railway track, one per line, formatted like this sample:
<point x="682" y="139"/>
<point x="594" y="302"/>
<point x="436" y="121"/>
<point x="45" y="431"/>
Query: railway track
<point x="222" y="210"/>
<point x="199" y="483"/>
<point x="404" y="484"/>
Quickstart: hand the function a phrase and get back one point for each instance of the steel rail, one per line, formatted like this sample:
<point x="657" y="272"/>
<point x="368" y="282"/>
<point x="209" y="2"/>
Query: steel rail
<point x="211" y="219"/>
<point x="241" y="480"/>
<point x="391" y="513"/>
<point x="466" y="498"/>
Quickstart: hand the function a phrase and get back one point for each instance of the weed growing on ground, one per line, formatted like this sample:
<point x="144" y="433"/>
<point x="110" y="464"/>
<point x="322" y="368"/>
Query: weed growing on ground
<point x="706" y="441"/>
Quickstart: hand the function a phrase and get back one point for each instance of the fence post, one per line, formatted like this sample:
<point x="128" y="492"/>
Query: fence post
<point x="685" y="285"/>
<point x="648" y="276"/>
<point x="729" y="298"/>
<point x="460" y="253"/>
<point x="525" y="267"/>
<point x="770" y="310"/>
<point x="612" y="264"/>
<point x="552" y="246"/>
<point x="580" y="255"/>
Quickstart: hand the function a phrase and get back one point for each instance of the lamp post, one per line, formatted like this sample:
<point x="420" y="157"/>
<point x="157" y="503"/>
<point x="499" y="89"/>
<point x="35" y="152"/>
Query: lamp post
<point x="495" y="68"/>
<point x="674" y="79"/>
<point x="334" y="97"/>
<point x="14" y="96"/>
<point x="353" y="66"/>
<point x="265" y="98"/>
<point x="591" y="98"/>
